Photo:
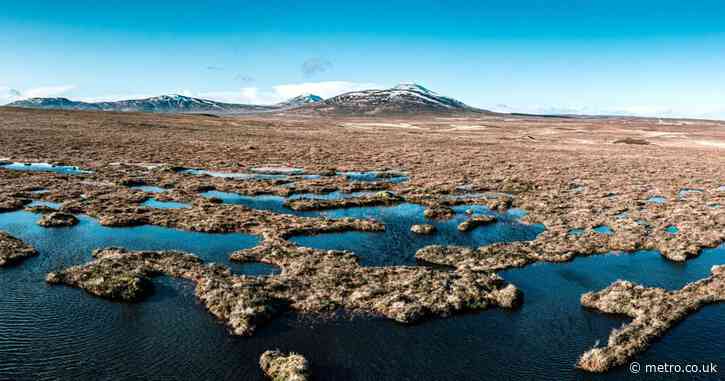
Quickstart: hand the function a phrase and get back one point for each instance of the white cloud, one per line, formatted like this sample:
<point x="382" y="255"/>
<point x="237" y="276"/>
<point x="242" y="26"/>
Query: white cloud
<point x="47" y="91"/>
<point x="279" y="93"/>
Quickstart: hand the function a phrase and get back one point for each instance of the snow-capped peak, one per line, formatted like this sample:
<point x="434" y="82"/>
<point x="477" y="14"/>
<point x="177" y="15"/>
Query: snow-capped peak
<point x="410" y="86"/>
<point x="171" y="97"/>
<point x="308" y="98"/>
<point x="301" y="100"/>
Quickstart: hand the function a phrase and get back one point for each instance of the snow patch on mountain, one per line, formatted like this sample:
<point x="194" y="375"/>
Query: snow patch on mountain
<point x="403" y="98"/>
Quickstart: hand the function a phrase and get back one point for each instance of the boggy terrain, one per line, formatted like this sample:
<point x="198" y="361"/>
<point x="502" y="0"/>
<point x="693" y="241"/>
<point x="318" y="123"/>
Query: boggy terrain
<point x="581" y="177"/>
<point x="310" y="282"/>
<point x="654" y="311"/>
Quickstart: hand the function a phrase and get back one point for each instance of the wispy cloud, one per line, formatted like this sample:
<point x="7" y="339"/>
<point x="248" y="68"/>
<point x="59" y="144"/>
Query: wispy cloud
<point x="8" y="95"/>
<point x="315" y="65"/>
<point x="214" y="68"/>
<point x="243" y="78"/>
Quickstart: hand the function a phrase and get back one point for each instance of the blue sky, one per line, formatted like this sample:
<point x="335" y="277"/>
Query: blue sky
<point x="642" y="57"/>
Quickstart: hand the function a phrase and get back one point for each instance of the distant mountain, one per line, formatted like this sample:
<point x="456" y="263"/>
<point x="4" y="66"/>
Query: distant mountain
<point x="162" y="104"/>
<point x="53" y="103"/>
<point x="403" y="98"/>
<point x="300" y="100"/>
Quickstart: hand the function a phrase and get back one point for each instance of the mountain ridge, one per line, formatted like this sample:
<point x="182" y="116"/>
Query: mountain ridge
<point x="161" y="104"/>
<point x="404" y="98"/>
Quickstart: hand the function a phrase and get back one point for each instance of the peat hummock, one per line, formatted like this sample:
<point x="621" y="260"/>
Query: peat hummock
<point x="57" y="219"/>
<point x="284" y="366"/>
<point x="13" y="249"/>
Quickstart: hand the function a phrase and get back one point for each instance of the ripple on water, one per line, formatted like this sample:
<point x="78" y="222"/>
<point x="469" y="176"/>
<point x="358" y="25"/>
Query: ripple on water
<point x="276" y="204"/>
<point x="49" y="333"/>
<point x="337" y="195"/>
<point x="58" y="332"/>
<point x="397" y="245"/>
<point x="572" y="329"/>
<point x="269" y="203"/>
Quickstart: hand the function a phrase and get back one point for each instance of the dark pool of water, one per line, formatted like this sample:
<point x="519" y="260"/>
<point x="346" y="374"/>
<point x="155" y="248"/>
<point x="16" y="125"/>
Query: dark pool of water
<point x="254" y="269"/>
<point x="49" y="204"/>
<point x="269" y="203"/>
<point x="374" y="176"/>
<point x="603" y="229"/>
<point x="150" y="189"/>
<point x="234" y="175"/>
<point x="576" y="232"/>
<point x="63" y="333"/>
<point x="397" y="245"/>
<point x="329" y="196"/>
<point x="657" y="200"/>
<point x="276" y="203"/>
<point x="684" y="192"/>
<point x="73" y="245"/>
<point x="44" y="167"/>
<point x="154" y="203"/>
<point x="49" y="333"/>
<point x="362" y="176"/>
<point x="278" y="170"/>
